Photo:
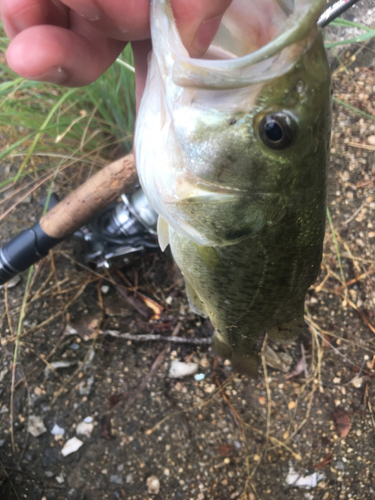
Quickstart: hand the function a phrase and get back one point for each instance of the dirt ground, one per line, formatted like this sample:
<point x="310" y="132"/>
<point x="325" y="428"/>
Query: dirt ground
<point x="217" y="435"/>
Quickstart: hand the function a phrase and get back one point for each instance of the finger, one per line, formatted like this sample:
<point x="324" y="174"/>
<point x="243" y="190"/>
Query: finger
<point x="198" y="22"/>
<point x="141" y="51"/>
<point x="18" y="15"/>
<point x="57" y="55"/>
<point x="123" y="20"/>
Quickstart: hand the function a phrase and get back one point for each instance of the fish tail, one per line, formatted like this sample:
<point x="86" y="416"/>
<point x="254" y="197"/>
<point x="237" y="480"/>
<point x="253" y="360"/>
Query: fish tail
<point x="288" y="330"/>
<point x="241" y="363"/>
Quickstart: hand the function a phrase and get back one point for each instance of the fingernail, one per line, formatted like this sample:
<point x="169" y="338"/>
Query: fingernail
<point x="91" y="13"/>
<point x="205" y="34"/>
<point x="52" y="75"/>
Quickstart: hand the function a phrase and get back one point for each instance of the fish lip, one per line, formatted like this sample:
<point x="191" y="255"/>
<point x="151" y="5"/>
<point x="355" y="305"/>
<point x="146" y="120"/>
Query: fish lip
<point x="218" y="74"/>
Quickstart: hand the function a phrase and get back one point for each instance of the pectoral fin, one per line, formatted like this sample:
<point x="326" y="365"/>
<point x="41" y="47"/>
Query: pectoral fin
<point x="163" y="233"/>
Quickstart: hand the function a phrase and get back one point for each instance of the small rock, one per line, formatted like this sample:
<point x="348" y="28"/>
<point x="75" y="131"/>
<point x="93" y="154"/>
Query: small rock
<point x="84" y="428"/>
<point x="179" y="369"/>
<point x="60" y="478"/>
<point x="71" y="446"/>
<point x="105" y="289"/>
<point x="278" y="360"/>
<point x="73" y="494"/>
<point x="153" y="485"/>
<point x="3" y="373"/>
<point x="116" y="479"/>
<point x="57" y="430"/>
<point x="210" y="388"/>
<point x="27" y="199"/>
<point x="36" y="426"/>
<point x="38" y="391"/>
<point x="48" y="474"/>
<point x="129" y="478"/>
<point x="4" y="409"/>
<point x="371" y="140"/>
<point x="199" y="377"/>
<point x="357" y="382"/>
<point x="85" y="386"/>
<point x="12" y="282"/>
<point x="340" y="465"/>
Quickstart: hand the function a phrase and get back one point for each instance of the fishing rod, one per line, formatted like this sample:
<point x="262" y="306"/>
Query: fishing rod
<point x="109" y="232"/>
<point x="334" y="11"/>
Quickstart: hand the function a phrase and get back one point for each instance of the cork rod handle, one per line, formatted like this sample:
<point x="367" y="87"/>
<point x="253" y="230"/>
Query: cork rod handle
<point x="90" y="198"/>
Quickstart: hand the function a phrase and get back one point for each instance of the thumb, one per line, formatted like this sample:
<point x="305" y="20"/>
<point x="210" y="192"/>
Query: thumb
<point x="198" y="21"/>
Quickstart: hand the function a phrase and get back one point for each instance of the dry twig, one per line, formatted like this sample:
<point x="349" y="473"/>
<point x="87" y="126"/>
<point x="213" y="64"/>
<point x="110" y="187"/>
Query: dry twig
<point x="154" y="337"/>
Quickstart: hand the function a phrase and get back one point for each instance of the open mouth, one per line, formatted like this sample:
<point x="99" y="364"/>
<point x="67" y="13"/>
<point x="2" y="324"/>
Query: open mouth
<point x="255" y="37"/>
<point x="249" y="25"/>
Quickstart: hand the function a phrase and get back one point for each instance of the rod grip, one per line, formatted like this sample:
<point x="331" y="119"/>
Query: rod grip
<point x="90" y="198"/>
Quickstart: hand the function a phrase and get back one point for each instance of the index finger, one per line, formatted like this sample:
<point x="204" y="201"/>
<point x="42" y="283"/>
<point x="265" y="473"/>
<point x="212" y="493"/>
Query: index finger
<point x="129" y="20"/>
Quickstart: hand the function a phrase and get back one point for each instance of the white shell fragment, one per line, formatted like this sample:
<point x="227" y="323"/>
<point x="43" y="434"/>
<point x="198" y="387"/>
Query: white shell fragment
<point x="71" y="446"/>
<point x="298" y="480"/>
<point x="58" y="365"/>
<point x="153" y="485"/>
<point x="57" y="430"/>
<point x="36" y="426"/>
<point x="84" y="428"/>
<point x="180" y="369"/>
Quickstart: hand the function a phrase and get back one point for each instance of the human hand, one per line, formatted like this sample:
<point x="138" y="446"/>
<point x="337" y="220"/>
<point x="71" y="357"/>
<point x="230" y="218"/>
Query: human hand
<point x="72" y="42"/>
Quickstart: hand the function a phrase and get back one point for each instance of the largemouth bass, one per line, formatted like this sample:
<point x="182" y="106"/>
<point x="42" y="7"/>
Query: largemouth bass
<point x="231" y="152"/>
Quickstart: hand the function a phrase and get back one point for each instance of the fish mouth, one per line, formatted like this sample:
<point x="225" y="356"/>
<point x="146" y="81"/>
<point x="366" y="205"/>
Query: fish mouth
<point x="257" y="40"/>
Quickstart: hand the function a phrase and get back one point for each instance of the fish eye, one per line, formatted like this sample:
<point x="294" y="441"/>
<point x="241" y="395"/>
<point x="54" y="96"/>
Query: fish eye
<point x="277" y="130"/>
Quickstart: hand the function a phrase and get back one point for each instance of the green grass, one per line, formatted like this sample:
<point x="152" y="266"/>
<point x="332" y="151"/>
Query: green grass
<point x="353" y="108"/>
<point x="41" y="118"/>
<point x="367" y="35"/>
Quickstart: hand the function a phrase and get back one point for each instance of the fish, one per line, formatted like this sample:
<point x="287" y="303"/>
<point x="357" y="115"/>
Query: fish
<point x="231" y="151"/>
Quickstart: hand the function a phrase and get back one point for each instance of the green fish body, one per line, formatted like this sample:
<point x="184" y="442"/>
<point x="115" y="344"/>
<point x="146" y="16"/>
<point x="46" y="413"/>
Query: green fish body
<point x="237" y="169"/>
